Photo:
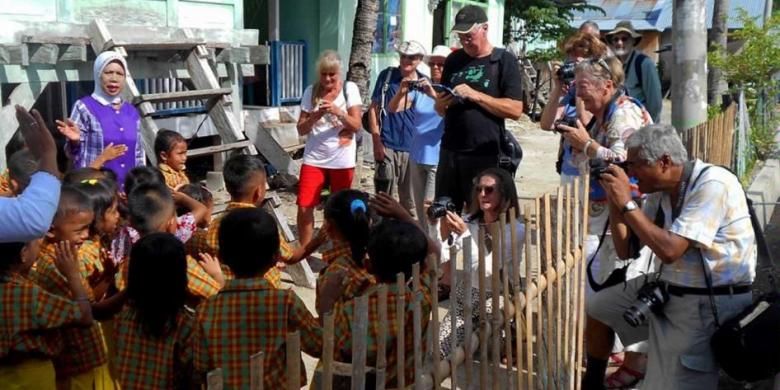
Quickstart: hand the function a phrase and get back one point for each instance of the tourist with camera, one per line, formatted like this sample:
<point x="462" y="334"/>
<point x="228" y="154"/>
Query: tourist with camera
<point x="696" y="222"/>
<point x="493" y="194"/>
<point x="417" y="95"/>
<point x="578" y="47"/>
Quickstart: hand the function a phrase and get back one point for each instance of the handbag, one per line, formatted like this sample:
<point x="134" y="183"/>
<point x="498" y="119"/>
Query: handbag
<point x="510" y="153"/>
<point x="747" y="346"/>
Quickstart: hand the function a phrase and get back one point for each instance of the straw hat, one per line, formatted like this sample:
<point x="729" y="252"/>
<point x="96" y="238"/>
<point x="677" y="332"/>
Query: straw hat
<point x="439" y="51"/>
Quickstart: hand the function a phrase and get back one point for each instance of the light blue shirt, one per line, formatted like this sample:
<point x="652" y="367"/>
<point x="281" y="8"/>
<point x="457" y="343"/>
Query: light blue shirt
<point x="428" y="129"/>
<point x="29" y="215"/>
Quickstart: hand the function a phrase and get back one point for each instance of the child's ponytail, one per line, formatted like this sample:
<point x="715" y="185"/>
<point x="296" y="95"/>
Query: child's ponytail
<point x="348" y="211"/>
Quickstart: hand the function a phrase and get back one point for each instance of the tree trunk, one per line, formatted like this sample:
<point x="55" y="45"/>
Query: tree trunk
<point x="717" y="36"/>
<point x="362" y="40"/>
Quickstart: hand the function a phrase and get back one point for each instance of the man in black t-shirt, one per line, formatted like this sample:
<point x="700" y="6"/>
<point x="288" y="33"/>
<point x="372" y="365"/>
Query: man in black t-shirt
<point x="488" y="84"/>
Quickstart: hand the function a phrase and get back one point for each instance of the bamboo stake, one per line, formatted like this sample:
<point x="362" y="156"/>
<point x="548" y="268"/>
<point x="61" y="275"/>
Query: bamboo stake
<point x="518" y="315"/>
<point x="568" y="327"/>
<point x="417" y="338"/>
<point x="359" y="336"/>
<point x="453" y="317"/>
<point x="541" y="376"/>
<point x="293" y="361"/>
<point x="468" y="310"/>
<point x="483" y="352"/>
<point x="416" y="277"/>
<point x="381" y="348"/>
<point x="549" y="294"/>
<point x="581" y="303"/>
<point x="327" y="352"/>
<point x="495" y="287"/>
<point x="214" y="380"/>
<point x="562" y="271"/>
<point x="434" y="327"/>
<point x="505" y="267"/>
<point x="529" y="315"/>
<point x="256" y="371"/>
<point x="400" y="313"/>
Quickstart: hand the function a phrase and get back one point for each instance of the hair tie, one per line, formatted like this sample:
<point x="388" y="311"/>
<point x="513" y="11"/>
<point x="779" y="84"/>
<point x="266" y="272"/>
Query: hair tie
<point x="89" y="181"/>
<point x="357" y="204"/>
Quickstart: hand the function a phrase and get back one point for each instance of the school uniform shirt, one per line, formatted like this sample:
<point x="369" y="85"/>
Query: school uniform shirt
<point x="354" y="279"/>
<point x="250" y="316"/>
<point x="30" y="317"/>
<point x="344" y="315"/>
<point x="144" y="361"/>
<point x="84" y="347"/>
<point x="199" y="283"/>
<point x="5" y="184"/>
<point x="186" y="226"/>
<point x="208" y="242"/>
<point x="173" y="178"/>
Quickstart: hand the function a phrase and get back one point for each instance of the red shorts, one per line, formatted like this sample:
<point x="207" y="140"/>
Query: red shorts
<point x="313" y="180"/>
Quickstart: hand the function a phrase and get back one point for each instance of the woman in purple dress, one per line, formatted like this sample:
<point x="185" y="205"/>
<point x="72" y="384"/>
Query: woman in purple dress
<point x="103" y="128"/>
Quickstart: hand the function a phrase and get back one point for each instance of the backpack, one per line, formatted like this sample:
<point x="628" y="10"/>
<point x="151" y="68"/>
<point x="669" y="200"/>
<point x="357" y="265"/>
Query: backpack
<point x="510" y="153"/>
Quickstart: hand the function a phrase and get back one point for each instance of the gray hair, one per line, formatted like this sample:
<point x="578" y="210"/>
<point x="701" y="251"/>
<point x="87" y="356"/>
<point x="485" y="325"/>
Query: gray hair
<point x="654" y="141"/>
<point x="603" y="69"/>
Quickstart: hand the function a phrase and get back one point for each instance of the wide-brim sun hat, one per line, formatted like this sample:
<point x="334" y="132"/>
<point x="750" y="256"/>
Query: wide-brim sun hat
<point x="440" y="51"/>
<point x="467" y="18"/>
<point x="624" y="26"/>
<point x="411" y="48"/>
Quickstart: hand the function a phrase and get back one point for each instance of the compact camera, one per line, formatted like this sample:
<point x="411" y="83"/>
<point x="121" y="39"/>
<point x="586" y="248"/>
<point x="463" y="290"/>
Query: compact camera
<point x="570" y="121"/>
<point x="599" y="166"/>
<point x="566" y="72"/>
<point x="440" y="206"/>
<point x="651" y="298"/>
<point x="416" y="85"/>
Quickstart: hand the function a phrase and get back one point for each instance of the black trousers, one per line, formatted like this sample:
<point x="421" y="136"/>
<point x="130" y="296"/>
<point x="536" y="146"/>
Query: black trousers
<point x="456" y="173"/>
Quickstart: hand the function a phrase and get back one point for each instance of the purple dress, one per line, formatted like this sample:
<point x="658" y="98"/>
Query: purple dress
<point x="102" y="125"/>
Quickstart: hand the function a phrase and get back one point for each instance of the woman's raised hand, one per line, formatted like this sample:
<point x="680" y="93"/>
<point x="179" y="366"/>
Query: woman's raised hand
<point x="69" y="129"/>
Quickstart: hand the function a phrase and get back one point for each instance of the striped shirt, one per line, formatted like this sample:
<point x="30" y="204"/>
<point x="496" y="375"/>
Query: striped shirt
<point x="715" y="217"/>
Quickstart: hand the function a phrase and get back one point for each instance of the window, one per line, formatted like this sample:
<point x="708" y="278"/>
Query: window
<point x="388" y="26"/>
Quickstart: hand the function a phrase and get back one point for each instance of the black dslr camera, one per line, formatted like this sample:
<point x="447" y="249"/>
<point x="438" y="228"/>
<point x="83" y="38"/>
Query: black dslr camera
<point x="566" y="72"/>
<point x="599" y="166"/>
<point x="439" y="207"/>
<point x="651" y="298"/>
<point x="570" y="121"/>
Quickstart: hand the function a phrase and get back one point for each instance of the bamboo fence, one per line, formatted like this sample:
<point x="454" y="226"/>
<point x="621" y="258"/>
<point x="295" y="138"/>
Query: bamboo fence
<point x="533" y="339"/>
<point x="713" y="141"/>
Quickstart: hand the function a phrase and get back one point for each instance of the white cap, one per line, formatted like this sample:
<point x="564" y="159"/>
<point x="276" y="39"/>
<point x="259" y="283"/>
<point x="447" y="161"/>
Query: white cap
<point x="411" y="48"/>
<point x="439" y="51"/>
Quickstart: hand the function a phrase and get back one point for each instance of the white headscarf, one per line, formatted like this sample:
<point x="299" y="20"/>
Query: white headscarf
<point x="101" y="62"/>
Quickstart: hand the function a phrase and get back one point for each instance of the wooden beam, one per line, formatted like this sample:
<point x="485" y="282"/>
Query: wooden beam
<point x="218" y="148"/>
<point x="82" y="71"/>
<point x="236" y="55"/>
<point x="14" y="55"/>
<point x="73" y="52"/>
<point x="43" y="53"/>
<point x="197" y="94"/>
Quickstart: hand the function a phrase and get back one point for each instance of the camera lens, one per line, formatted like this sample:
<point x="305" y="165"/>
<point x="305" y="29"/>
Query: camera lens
<point x="636" y="315"/>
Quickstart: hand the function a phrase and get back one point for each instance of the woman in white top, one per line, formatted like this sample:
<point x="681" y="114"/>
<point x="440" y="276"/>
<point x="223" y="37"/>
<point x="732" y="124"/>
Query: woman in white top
<point x="330" y="116"/>
<point x="494" y="193"/>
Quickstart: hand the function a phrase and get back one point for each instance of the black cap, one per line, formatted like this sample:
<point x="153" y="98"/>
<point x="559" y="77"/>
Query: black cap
<point x="467" y="17"/>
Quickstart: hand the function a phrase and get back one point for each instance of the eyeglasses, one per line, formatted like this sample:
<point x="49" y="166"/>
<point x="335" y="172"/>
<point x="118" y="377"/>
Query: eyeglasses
<point x="469" y="36"/>
<point x="439" y="64"/>
<point x="488" y="190"/>
<point x="620" y="38"/>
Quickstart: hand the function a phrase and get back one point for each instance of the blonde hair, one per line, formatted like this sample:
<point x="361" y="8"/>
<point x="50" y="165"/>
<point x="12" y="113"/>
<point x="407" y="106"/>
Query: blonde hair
<point x="328" y="60"/>
<point x="603" y="69"/>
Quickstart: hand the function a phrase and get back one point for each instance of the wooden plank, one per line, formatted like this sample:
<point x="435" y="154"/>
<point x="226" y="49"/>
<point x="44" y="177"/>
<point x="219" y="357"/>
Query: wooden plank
<point x="549" y="292"/>
<point x="568" y="327"/>
<point x="529" y="353"/>
<point x="359" y="336"/>
<point x="483" y="347"/>
<point x="25" y="95"/>
<point x="400" y="314"/>
<point x="542" y="374"/>
<point x="256" y="371"/>
<point x="73" y="52"/>
<point x="293" y="353"/>
<point x="327" y="352"/>
<point x="381" y="348"/>
<point x="215" y="380"/>
<point x="468" y="310"/>
<point x="209" y="150"/>
<point x="198" y="94"/>
<point x="46" y="53"/>
<point x="236" y="55"/>
<point x="562" y="272"/>
<point x="418" y="340"/>
<point x="495" y="287"/>
<point x="14" y="55"/>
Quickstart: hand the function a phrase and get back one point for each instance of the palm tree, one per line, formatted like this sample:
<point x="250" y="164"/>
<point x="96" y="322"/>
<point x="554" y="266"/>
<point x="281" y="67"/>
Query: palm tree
<point x="717" y="36"/>
<point x="362" y="40"/>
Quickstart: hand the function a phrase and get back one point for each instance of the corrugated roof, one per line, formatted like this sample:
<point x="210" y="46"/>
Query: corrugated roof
<point x="657" y="14"/>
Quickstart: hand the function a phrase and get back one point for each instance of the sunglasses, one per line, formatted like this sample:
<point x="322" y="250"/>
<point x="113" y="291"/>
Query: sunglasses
<point x="488" y="190"/>
<point x="600" y="62"/>
<point x="411" y="57"/>
<point x="623" y="38"/>
<point x="439" y="64"/>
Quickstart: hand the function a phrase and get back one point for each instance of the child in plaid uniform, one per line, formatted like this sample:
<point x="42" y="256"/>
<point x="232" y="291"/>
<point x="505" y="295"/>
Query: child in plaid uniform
<point x="248" y="242"/>
<point x="245" y="181"/>
<point x="30" y="317"/>
<point x="153" y="332"/>
<point x="83" y="363"/>
<point x="171" y="151"/>
<point x="347" y="223"/>
<point x="152" y="210"/>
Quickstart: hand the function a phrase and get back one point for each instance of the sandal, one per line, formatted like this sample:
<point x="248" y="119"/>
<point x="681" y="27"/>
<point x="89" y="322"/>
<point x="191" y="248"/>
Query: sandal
<point x="616" y="359"/>
<point x="623" y="378"/>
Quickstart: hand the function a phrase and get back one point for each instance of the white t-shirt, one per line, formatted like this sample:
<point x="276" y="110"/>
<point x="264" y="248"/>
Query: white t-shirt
<point x="323" y="148"/>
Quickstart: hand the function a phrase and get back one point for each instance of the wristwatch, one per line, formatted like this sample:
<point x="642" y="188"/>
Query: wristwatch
<point x="629" y="206"/>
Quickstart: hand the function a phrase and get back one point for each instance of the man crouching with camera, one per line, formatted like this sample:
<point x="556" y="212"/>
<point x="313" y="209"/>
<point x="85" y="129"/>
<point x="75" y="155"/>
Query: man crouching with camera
<point x="702" y="235"/>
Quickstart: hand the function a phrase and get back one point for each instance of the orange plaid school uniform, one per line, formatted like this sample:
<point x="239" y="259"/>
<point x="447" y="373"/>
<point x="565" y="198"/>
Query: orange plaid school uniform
<point x="26" y="312"/>
<point x="344" y="315"/>
<point x="5" y="184"/>
<point x="249" y="316"/>
<point x="149" y="362"/>
<point x="199" y="282"/>
<point x="208" y="242"/>
<point x="355" y="280"/>
<point x="84" y="346"/>
<point x="173" y="178"/>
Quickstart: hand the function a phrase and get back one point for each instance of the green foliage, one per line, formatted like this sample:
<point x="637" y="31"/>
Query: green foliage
<point x="545" y="21"/>
<point x="762" y="137"/>
<point x="712" y="112"/>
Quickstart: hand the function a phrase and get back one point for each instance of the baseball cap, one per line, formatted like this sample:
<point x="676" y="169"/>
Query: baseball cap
<point x="411" y="48"/>
<point x="467" y="17"/>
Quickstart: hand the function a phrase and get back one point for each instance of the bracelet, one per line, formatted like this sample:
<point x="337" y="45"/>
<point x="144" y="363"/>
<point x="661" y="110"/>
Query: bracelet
<point x="587" y="145"/>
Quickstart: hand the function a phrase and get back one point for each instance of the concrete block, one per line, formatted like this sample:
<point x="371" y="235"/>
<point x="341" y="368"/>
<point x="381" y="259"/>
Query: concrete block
<point x="289" y="114"/>
<point x="764" y="191"/>
<point x="285" y="134"/>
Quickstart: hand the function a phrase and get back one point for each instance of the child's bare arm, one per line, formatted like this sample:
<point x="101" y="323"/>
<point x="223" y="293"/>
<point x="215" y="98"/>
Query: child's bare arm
<point x="67" y="265"/>
<point x="198" y="210"/>
<point x="107" y="308"/>
<point x="329" y="292"/>
<point x="211" y="266"/>
<point x="302" y="252"/>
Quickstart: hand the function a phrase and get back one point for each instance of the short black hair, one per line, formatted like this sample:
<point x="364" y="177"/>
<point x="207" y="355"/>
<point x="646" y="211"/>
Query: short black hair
<point x="238" y="172"/>
<point x="10" y="255"/>
<point x="149" y="206"/>
<point x="21" y="166"/>
<point x="72" y="201"/>
<point x="102" y="193"/>
<point x="394" y="246"/>
<point x="165" y="141"/>
<point x="157" y="282"/>
<point x="197" y="192"/>
<point x="248" y="241"/>
<point x="15" y="144"/>
<point x="142" y="175"/>
<point x="78" y="175"/>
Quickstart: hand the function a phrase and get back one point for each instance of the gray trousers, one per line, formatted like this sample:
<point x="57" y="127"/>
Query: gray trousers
<point x="679" y="355"/>
<point x="398" y="171"/>
<point x="423" y="187"/>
